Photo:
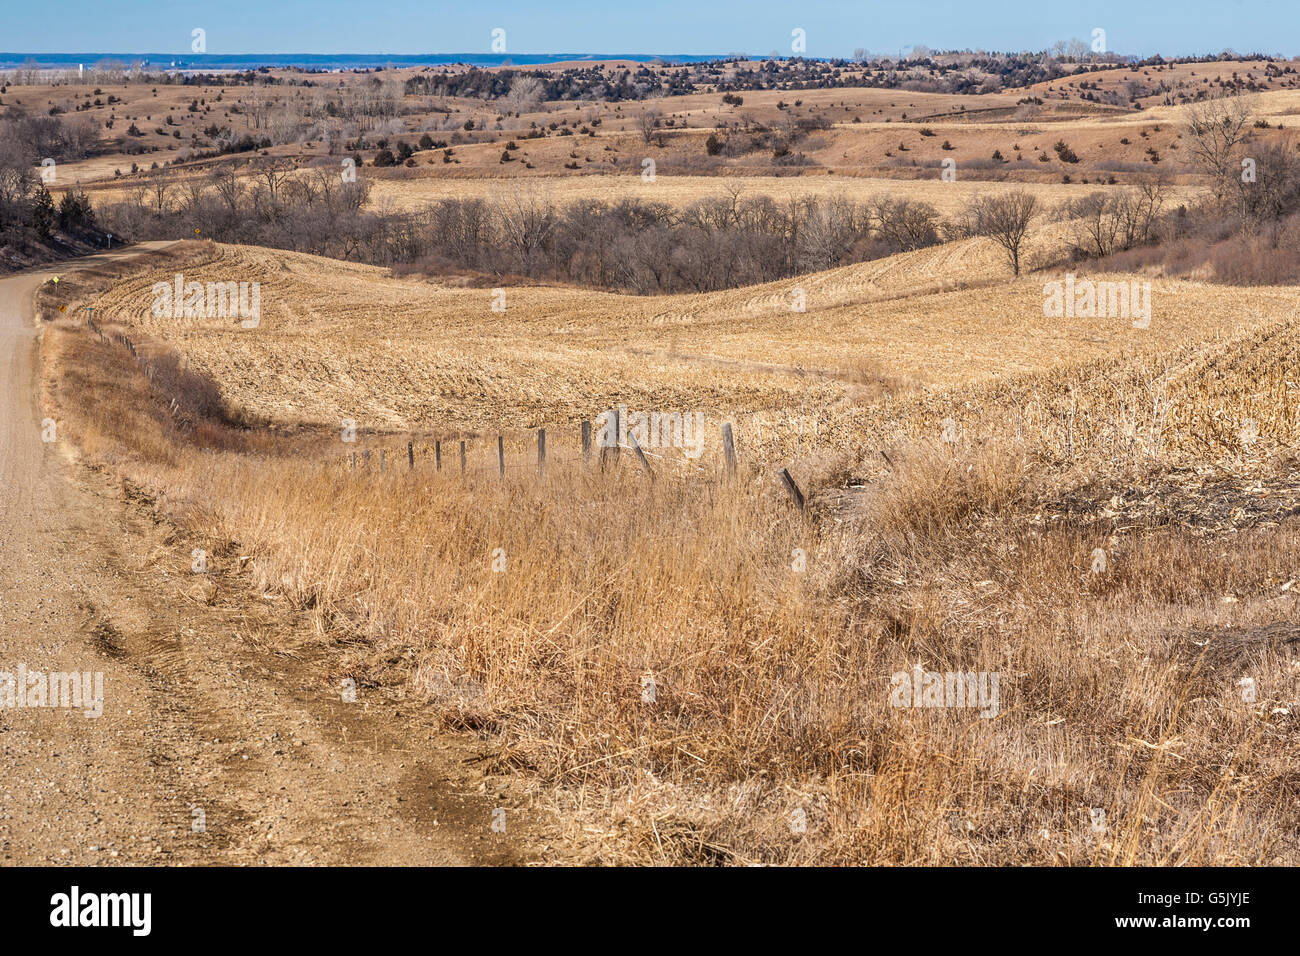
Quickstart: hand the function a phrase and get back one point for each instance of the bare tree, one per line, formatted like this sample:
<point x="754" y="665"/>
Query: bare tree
<point x="195" y="193"/>
<point x="300" y="192"/>
<point x="353" y="196"/>
<point x="647" y="122"/>
<point x="1274" y="191"/>
<point x="827" y="229"/>
<point x="1218" y="127"/>
<point x="159" y="188"/>
<point x="272" y="175"/>
<point x="1093" y="224"/>
<point x="1137" y="210"/>
<point x="732" y="193"/>
<point x="257" y="102"/>
<point x="1005" y="219"/>
<point x="527" y="220"/>
<point x="138" y="199"/>
<point x="524" y="96"/>
<point x="1076" y="50"/>
<point x="1103" y="223"/>
<point x="326" y="181"/>
<point x="16" y="177"/>
<point x="905" y="224"/>
<point x="79" y="137"/>
<point x="225" y="180"/>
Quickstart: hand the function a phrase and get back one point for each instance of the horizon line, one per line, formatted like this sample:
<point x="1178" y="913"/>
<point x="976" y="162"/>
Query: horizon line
<point x="189" y="55"/>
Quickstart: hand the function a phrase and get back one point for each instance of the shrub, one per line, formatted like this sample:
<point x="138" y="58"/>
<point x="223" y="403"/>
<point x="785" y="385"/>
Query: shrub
<point x="75" y="211"/>
<point x="1066" y="154"/>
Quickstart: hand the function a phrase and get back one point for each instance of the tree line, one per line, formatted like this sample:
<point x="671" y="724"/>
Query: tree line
<point x="631" y="245"/>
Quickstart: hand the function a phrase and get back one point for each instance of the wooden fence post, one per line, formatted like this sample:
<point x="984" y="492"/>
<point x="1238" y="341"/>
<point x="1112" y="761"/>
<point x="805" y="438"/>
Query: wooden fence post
<point x="354" y="461"/>
<point x="795" y="494"/>
<point x="608" y="451"/>
<point x="462" y="458"/>
<point x="541" y="450"/>
<point x="728" y="448"/>
<point x="437" y="456"/>
<point x="586" y="441"/>
<point x="618" y="431"/>
<point x="501" y="455"/>
<point x="641" y="456"/>
<point x="383" y="457"/>
<point x="410" y="454"/>
<point x="365" y="458"/>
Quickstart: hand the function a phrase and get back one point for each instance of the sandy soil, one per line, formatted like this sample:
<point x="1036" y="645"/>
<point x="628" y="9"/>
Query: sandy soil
<point x="204" y="721"/>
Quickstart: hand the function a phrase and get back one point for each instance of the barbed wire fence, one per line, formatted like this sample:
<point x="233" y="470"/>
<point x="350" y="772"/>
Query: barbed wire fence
<point x="602" y="453"/>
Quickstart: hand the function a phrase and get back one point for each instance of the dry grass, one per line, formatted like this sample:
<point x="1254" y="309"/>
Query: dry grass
<point x="1119" y="690"/>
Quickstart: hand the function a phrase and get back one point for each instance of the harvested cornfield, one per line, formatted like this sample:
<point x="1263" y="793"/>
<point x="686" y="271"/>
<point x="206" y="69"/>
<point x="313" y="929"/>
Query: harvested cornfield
<point x="339" y="341"/>
<point x="1100" y="510"/>
<point x="406" y="195"/>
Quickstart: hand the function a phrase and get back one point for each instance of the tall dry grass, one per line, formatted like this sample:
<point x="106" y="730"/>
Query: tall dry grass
<point x="1119" y="690"/>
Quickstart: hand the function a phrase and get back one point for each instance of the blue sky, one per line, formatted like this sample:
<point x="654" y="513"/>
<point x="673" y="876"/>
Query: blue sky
<point x="833" y="27"/>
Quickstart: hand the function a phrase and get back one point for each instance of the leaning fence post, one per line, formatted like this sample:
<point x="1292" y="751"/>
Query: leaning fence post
<point x="795" y="494"/>
<point x="541" y="450"/>
<point x="410" y="453"/>
<point x="586" y="441"/>
<point x="501" y="455"/>
<point x="641" y="457"/>
<point x="728" y="448"/>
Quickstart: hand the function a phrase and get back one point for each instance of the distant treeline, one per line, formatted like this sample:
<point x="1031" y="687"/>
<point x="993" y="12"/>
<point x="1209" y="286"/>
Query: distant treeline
<point x="631" y="245"/>
<point x="645" y="247"/>
<point x="921" y="71"/>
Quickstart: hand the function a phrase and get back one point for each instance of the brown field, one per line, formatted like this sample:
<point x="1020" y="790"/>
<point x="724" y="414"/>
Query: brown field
<point x="1104" y="515"/>
<point x="874" y="133"/>
<point x="404" y="194"/>
<point x="1120" y="689"/>
<point x="339" y="341"/>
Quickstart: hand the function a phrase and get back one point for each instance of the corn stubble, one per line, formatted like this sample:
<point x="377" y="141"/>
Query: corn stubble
<point x="770" y="686"/>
